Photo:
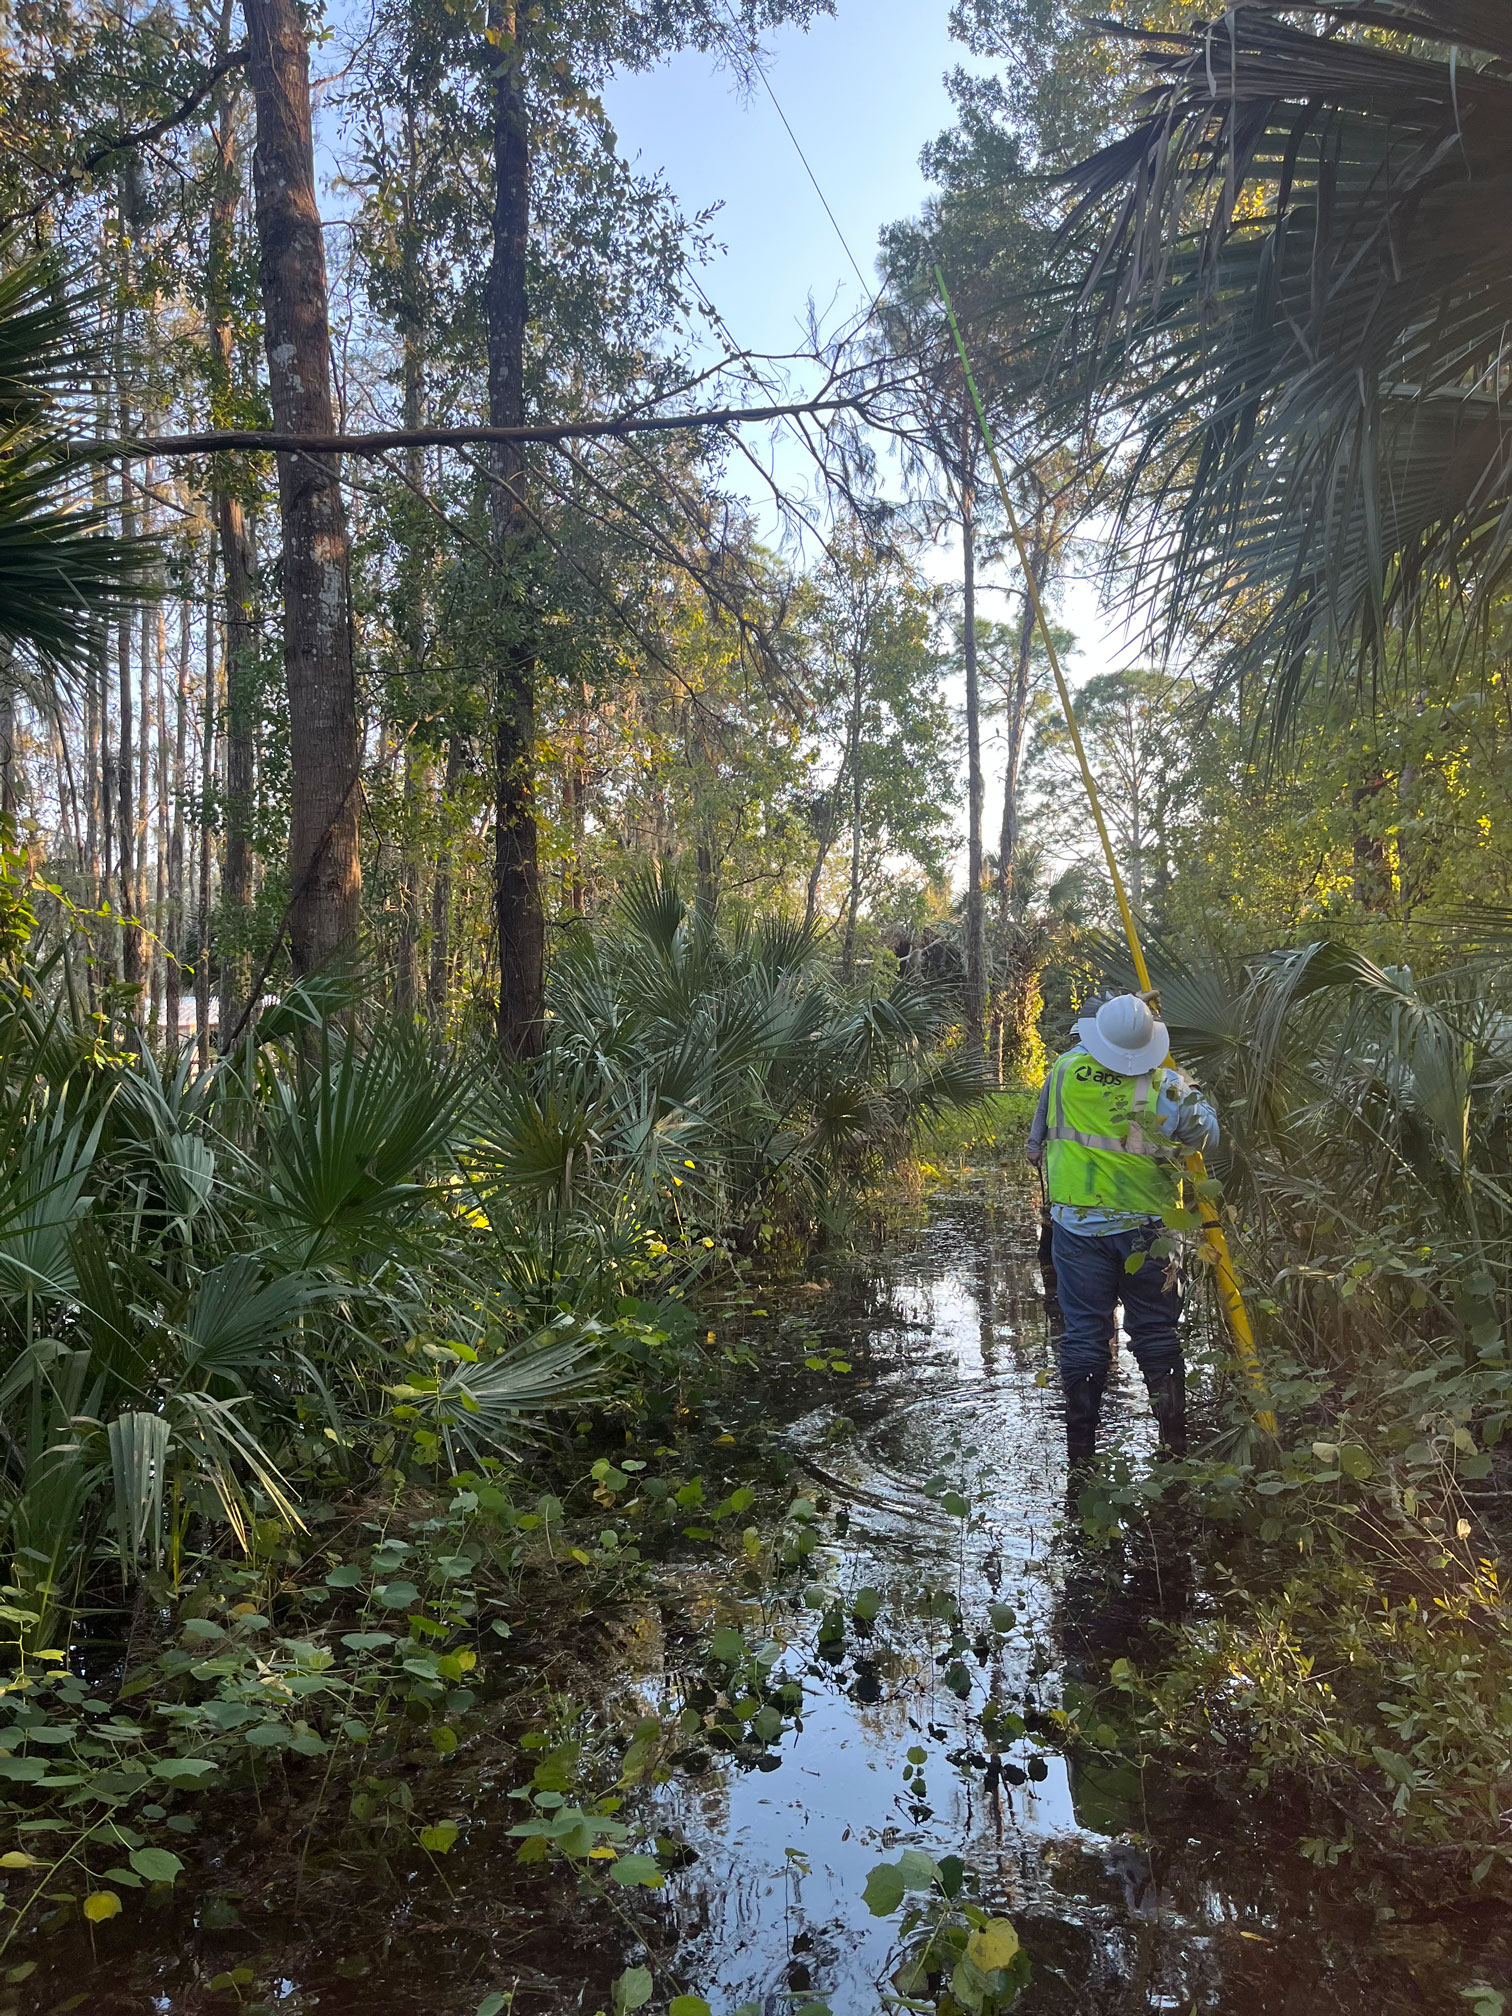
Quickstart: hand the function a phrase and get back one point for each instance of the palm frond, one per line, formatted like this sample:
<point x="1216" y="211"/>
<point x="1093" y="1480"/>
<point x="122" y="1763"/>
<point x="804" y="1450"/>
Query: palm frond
<point x="1294" y="289"/>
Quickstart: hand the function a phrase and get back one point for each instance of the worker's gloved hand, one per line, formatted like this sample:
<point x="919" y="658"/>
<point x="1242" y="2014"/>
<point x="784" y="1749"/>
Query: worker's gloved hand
<point x="1034" y="1155"/>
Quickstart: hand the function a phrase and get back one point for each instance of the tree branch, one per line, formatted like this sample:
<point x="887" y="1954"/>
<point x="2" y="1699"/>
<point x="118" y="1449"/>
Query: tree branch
<point x="142" y="136"/>
<point x="260" y="441"/>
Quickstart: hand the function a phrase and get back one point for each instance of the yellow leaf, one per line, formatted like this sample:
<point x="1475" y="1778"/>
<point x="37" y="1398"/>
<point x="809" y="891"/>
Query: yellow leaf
<point x="994" y="1946"/>
<point x="100" y="1905"/>
<point x="16" y="1860"/>
<point x="604" y="1854"/>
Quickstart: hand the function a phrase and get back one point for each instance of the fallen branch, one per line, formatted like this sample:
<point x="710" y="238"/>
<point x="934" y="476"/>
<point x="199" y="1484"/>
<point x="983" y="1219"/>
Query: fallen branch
<point x="260" y="441"/>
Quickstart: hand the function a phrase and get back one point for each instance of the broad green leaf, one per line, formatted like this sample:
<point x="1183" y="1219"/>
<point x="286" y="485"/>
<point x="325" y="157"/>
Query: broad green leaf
<point x="633" y="1990"/>
<point x="157" y="1865"/>
<point x="638" y="1870"/>
<point x="688" y="2005"/>
<point x="885" y="1890"/>
<point x="440" y="1839"/>
<point x="917" y="1869"/>
<point x="184" y="1770"/>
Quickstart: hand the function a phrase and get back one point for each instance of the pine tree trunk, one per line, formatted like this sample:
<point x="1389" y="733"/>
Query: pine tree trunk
<point x="325" y="871"/>
<point x="853" y="902"/>
<point x="438" y="985"/>
<point x="518" y="918"/>
<point x="236" y="560"/>
<point x="1018" y="718"/>
<point x="162" y="944"/>
<point x="174" y="933"/>
<point x="207" y="781"/>
<point x="976" y="934"/>
<point x="131" y="936"/>
<point x="417" y="777"/>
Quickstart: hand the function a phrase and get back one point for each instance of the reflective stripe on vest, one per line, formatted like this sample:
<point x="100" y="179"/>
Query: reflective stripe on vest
<point x="1105" y="1149"/>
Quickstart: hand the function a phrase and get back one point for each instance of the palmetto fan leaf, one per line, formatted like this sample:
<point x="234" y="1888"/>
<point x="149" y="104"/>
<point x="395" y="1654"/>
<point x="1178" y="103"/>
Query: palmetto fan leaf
<point x="1297" y="285"/>
<point x="62" y="572"/>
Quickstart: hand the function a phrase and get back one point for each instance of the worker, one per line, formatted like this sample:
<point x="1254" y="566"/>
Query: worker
<point x="1114" y="1124"/>
<point x="1036" y="1143"/>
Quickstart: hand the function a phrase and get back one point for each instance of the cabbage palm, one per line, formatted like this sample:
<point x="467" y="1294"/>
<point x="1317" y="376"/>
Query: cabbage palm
<point x="1296" y="283"/>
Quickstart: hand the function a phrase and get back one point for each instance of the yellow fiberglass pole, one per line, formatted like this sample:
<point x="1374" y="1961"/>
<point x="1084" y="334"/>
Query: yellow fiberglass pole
<point x="1229" y="1291"/>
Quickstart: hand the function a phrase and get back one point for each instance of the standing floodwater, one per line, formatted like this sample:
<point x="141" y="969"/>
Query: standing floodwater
<point x="1129" y="1893"/>
<point x="944" y="1621"/>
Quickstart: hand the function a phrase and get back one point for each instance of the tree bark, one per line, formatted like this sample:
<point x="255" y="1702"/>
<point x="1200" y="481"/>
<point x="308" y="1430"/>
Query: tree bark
<point x="207" y="780"/>
<point x="236" y="561"/>
<point x="976" y="932"/>
<point x="417" y="769"/>
<point x="853" y="902"/>
<point x="174" y="986"/>
<point x="440" y="945"/>
<point x="518" y="918"/>
<point x="325" y="871"/>
<point x="1018" y="717"/>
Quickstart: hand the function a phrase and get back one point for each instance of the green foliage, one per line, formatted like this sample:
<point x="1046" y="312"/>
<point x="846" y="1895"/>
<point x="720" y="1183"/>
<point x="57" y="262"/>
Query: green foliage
<point x="956" y="1955"/>
<point x="1258" y="215"/>
<point x="62" y="573"/>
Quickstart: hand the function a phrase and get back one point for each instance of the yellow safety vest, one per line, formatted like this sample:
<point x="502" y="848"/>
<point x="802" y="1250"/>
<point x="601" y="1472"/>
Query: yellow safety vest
<point x="1106" y="1151"/>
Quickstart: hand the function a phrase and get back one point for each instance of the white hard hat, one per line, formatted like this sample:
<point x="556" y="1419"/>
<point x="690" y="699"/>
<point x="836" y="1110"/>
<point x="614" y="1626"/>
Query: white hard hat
<point x="1125" y="1036"/>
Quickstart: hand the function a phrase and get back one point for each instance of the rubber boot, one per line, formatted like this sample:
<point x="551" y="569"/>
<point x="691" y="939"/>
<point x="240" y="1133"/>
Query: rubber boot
<point x="1168" y="1400"/>
<point x="1083" y="1406"/>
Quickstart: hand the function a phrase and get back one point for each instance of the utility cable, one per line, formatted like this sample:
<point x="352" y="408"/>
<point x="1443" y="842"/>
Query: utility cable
<point x="760" y="69"/>
<point x="1229" y="1291"/>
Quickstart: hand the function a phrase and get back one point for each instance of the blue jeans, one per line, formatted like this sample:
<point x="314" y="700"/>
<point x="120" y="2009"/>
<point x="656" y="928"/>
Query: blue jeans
<point x="1091" y="1280"/>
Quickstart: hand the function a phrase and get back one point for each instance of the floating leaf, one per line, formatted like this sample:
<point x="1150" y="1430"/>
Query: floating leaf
<point x="688" y="2005"/>
<point x="727" y="1646"/>
<point x="884" y="1890"/>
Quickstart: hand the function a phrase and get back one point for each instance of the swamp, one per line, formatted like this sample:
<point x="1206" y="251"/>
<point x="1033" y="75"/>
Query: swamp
<point x="755" y="1008"/>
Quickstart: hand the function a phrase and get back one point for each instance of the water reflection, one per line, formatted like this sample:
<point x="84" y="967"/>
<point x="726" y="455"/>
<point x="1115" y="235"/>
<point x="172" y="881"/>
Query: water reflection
<point x="1131" y="1893"/>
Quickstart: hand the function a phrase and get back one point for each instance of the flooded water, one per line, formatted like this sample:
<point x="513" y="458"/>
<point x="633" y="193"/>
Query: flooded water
<point x="1130" y="1891"/>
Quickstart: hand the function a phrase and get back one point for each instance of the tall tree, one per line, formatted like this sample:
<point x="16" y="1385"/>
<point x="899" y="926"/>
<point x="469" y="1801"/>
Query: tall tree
<point x="325" y="870"/>
<point x="519" y="920"/>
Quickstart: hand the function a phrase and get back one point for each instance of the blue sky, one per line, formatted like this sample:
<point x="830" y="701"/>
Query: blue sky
<point x="863" y="91"/>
